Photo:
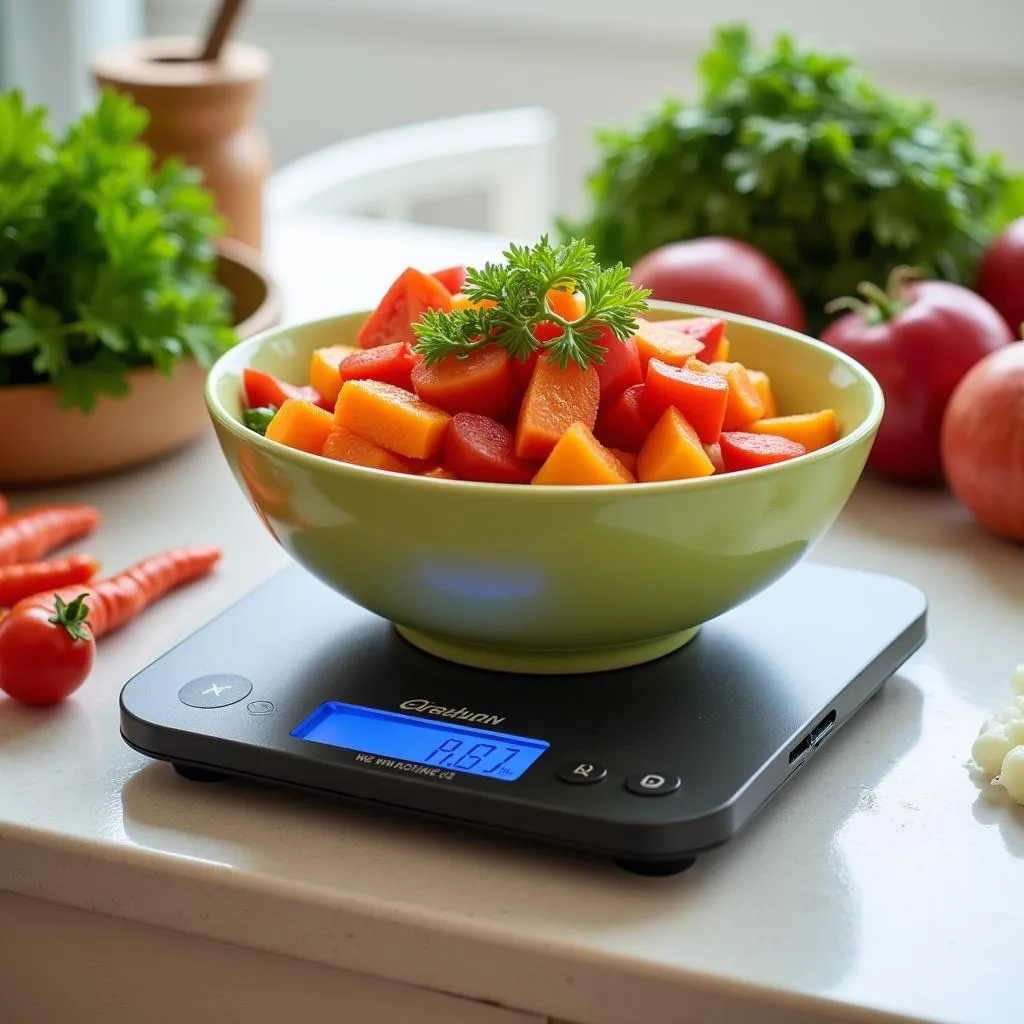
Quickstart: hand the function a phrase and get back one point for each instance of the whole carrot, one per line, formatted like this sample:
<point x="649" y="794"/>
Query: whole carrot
<point x="30" y="535"/>
<point x="20" y="581"/>
<point x="48" y="641"/>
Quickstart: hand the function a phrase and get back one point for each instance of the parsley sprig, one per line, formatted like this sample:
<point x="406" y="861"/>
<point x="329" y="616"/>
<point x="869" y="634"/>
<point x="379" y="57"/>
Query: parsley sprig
<point x="518" y="289"/>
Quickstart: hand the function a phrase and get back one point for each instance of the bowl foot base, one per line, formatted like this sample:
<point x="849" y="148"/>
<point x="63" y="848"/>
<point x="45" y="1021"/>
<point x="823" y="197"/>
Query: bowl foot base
<point x="547" y="661"/>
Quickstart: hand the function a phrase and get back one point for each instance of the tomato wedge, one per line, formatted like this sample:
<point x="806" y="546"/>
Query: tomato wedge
<point x="408" y="298"/>
<point x="261" y="389"/>
<point x="453" y="278"/>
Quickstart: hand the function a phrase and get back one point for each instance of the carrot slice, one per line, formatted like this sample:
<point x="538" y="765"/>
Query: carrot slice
<point x="672" y="451"/>
<point x="744" y="450"/>
<point x="700" y="396"/>
<point x="555" y="399"/>
<point x="670" y="346"/>
<point x="392" y="364"/>
<point x="480" y="383"/>
<point x="621" y="422"/>
<point x="300" y="424"/>
<point x="344" y="446"/>
<point x="763" y="387"/>
<point x="579" y="459"/>
<point x="813" y="430"/>
<point x="392" y="418"/>
<point x="480" y="448"/>
<point x="323" y="370"/>
<point x="628" y="459"/>
<point x="744" y="404"/>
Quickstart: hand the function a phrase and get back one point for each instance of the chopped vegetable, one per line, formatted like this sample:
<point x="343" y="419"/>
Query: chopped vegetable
<point x="620" y="368"/>
<point x="621" y="422"/>
<point x="441" y="472"/>
<point x="998" y="749"/>
<point x="344" y="446"/>
<point x="21" y="581"/>
<point x="392" y="364"/>
<point x="556" y="398"/>
<point x="1000" y="277"/>
<point x="392" y="418"/>
<point x="709" y="331"/>
<point x="672" y="451"/>
<point x="30" y="535"/>
<point x="520" y="290"/>
<point x="411" y="295"/>
<point x="323" y="371"/>
<point x="259" y="419"/>
<point x="480" y="382"/>
<point x="480" y="448"/>
<point x="451" y="278"/>
<point x="261" y="389"/>
<point x="579" y="459"/>
<point x="813" y="430"/>
<point x="47" y="641"/>
<point x="744" y="404"/>
<point x="763" y="387"/>
<point x="675" y="347"/>
<point x="701" y="397"/>
<point x="743" y="450"/>
<point x="301" y="425"/>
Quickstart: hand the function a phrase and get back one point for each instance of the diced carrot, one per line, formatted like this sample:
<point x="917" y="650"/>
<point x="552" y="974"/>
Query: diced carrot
<point x="621" y="422"/>
<point x="707" y="330"/>
<point x="656" y="342"/>
<point x="555" y="399"/>
<point x="744" y="450"/>
<point x="300" y="424"/>
<point x="480" y="383"/>
<point x="580" y="459"/>
<point x="763" y="386"/>
<point x="813" y="430"/>
<point x="323" y="370"/>
<point x="567" y="305"/>
<point x="700" y="397"/>
<point x="672" y="451"/>
<point x="344" y="446"/>
<point x="442" y="472"/>
<point x="744" y="404"/>
<point x="628" y="459"/>
<point x="392" y="364"/>
<point x="480" y="448"/>
<point x="392" y="418"/>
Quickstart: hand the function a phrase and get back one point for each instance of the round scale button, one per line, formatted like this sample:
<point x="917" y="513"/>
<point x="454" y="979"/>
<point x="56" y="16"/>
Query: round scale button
<point x="653" y="783"/>
<point x="582" y="773"/>
<point x="216" y="691"/>
<point x="259" y="707"/>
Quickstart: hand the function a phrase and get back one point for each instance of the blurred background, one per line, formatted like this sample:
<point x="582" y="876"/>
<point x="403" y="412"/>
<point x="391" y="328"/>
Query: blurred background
<point x="346" y="67"/>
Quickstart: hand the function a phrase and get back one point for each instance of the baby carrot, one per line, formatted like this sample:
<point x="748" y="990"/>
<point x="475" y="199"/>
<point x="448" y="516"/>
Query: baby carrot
<point x="28" y="536"/>
<point x="21" y="581"/>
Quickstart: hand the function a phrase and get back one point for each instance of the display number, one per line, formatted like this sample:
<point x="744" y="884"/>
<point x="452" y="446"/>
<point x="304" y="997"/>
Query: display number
<point x="448" y="754"/>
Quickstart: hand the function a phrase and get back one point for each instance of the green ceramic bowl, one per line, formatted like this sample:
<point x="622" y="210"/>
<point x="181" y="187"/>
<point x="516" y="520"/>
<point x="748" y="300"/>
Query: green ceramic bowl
<point x="551" y="579"/>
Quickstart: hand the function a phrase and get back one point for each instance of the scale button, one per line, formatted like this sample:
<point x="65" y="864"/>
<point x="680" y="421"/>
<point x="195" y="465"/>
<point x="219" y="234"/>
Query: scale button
<point x="653" y="783"/>
<point x="579" y="773"/>
<point x="215" y="691"/>
<point x="260" y="707"/>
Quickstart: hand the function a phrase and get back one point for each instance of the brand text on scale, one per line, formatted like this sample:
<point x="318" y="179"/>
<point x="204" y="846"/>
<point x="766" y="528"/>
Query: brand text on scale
<point x="425" y="707"/>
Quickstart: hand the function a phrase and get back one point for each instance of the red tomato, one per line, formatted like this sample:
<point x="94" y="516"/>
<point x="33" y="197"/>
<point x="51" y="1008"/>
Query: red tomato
<point x="479" y="448"/>
<point x="621" y="424"/>
<point x="1001" y="275"/>
<point x="480" y="383"/>
<point x="40" y="661"/>
<point x="983" y="441"/>
<point x="740" y="450"/>
<point x="701" y="397"/>
<point x="262" y="389"/>
<point x="453" y="278"/>
<point x="709" y="330"/>
<point x="927" y="336"/>
<point x="621" y="366"/>
<point x="392" y="364"/>
<point x="721" y="273"/>
<point x="411" y="295"/>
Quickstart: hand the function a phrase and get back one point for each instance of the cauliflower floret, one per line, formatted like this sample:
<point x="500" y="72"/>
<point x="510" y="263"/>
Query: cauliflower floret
<point x="1011" y="776"/>
<point x="990" y="748"/>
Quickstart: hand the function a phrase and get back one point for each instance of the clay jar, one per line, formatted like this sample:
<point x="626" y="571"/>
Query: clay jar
<point x="202" y="112"/>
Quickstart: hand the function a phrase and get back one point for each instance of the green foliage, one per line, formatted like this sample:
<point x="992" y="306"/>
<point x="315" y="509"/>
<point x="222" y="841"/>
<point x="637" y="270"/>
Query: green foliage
<point x="519" y="289"/>
<point x="800" y="154"/>
<point x="105" y="262"/>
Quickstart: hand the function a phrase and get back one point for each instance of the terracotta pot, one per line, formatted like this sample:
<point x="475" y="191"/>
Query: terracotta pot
<point x="44" y="444"/>
<point x="201" y="111"/>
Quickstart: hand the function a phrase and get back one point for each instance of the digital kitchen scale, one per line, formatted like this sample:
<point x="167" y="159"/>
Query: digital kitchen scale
<point x="648" y="765"/>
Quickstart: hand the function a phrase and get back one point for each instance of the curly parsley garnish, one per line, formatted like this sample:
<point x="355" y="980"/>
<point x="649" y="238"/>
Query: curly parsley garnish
<point x="518" y="289"/>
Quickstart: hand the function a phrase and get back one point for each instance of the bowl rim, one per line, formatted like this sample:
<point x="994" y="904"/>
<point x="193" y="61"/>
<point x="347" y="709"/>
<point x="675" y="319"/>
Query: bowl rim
<point x="237" y="359"/>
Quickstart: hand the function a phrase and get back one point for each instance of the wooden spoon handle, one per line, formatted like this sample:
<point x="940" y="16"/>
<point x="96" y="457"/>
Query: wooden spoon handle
<point x="221" y="28"/>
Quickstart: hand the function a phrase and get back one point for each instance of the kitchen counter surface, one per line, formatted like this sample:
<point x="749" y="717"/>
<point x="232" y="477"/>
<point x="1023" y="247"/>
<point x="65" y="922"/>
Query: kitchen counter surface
<point x="881" y="880"/>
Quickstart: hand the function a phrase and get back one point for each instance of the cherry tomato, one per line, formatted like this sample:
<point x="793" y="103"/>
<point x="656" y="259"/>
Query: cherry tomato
<point x="723" y="274"/>
<point x="918" y="340"/>
<point x="1001" y="275"/>
<point x="42" y="661"/>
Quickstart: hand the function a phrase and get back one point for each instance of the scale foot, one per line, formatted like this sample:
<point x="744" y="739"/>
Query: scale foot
<point x="186" y="771"/>
<point x="657" y="868"/>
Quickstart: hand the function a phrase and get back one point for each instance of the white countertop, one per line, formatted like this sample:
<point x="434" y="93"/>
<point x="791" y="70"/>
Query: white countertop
<point x="882" y="878"/>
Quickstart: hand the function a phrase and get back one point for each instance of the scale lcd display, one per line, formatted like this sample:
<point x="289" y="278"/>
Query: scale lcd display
<point x="453" y="748"/>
